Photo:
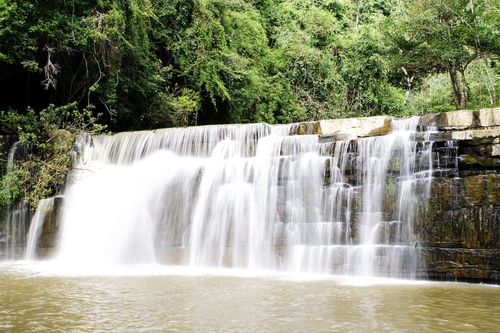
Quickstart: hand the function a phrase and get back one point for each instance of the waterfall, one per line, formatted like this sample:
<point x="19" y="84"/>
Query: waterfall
<point x="387" y="245"/>
<point x="16" y="220"/>
<point x="14" y="234"/>
<point x="248" y="196"/>
<point x="11" y="156"/>
<point x="36" y="225"/>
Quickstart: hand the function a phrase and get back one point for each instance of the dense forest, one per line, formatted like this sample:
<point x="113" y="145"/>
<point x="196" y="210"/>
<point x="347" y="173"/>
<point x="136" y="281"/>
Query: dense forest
<point x="145" y="64"/>
<point x="138" y="64"/>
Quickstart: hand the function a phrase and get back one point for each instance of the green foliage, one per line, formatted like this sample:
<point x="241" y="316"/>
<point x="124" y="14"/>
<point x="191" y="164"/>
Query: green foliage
<point x="176" y="108"/>
<point x="10" y="186"/>
<point x="148" y="64"/>
<point x="434" y="93"/>
<point x="445" y="36"/>
<point x="161" y="63"/>
<point x="48" y="140"/>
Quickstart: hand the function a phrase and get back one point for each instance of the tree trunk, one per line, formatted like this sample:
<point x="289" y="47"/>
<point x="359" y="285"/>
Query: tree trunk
<point x="492" y="91"/>
<point x="460" y="93"/>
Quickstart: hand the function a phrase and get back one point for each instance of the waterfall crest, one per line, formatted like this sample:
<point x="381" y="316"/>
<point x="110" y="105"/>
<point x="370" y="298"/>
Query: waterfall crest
<point x="248" y="196"/>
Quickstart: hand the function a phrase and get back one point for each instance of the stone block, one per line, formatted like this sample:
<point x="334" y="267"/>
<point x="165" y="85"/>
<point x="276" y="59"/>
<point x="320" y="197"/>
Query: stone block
<point x="495" y="150"/>
<point x="356" y="127"/>
<point x="454" y="120"/>
<point x="489" y="117"/>
<point x="476" y="134"/>
<point x="459" y="119"/>
<point x="306" y="128"/>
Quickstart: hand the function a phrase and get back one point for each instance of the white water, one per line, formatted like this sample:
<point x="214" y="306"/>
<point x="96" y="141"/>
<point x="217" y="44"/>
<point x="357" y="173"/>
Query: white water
<point x="11" y="156"/>
<point x="378" y="157"/>
<point x="14" y="235"/>
<point x="17" y="216"/>
<point x="36" y="225"/>
<point x="247" y="197"/>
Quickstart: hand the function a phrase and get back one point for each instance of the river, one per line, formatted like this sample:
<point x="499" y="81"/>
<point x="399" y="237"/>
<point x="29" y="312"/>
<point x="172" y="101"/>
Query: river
<point x="36" y="298"/>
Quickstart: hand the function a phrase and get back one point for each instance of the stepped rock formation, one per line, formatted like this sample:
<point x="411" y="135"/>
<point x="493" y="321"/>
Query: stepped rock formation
<point x="446" y="228"/>
<point x="459" y="233"/>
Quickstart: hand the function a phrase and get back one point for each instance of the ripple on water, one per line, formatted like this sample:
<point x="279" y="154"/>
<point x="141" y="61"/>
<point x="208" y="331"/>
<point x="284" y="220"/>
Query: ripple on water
<point x="32" y="301"/>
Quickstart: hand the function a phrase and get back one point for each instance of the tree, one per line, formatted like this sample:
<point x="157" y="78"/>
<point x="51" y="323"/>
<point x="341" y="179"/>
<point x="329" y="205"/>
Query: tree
<point x="430" y="36"/>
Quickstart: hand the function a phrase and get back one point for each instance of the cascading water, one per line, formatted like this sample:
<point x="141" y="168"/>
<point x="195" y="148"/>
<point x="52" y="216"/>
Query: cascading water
<point x="16" y="221"/>
<point x="14" y="231"/>
<point x="248" y="196"/>
<point x="387" y="245"/>
<point x="36" y="225"/>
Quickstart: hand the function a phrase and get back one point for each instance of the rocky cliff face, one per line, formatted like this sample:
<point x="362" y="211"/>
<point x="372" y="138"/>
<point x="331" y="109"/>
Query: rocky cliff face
<point x="458" y="230"/>
<point x="460" y="233"/>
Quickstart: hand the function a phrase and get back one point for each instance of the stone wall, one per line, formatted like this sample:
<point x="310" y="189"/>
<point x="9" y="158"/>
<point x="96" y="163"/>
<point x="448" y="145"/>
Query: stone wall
<point x="460" y="232"/>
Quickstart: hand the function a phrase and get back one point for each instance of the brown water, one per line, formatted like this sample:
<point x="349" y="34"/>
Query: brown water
<point x="175" y="303"/>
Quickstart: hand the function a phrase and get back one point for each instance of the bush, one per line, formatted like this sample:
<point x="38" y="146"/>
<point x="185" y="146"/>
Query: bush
<point x="48" y="139"/>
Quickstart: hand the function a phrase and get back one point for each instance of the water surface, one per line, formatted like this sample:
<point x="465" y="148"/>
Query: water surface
<point x="211" y="303"/>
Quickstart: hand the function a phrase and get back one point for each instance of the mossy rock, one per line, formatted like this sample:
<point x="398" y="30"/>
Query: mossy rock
<point x="481" y="162"/>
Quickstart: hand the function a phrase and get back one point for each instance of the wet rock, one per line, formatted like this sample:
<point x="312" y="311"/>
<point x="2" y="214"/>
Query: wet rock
<point x="483" y="150"/>
<point x="306" y="128"/>
<point x="48" y="236"/>
<point x="325" y="138"/>
<point x="468" y="161"/>
<point x="460" y="264"/>
<point x="459" y="230"/>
